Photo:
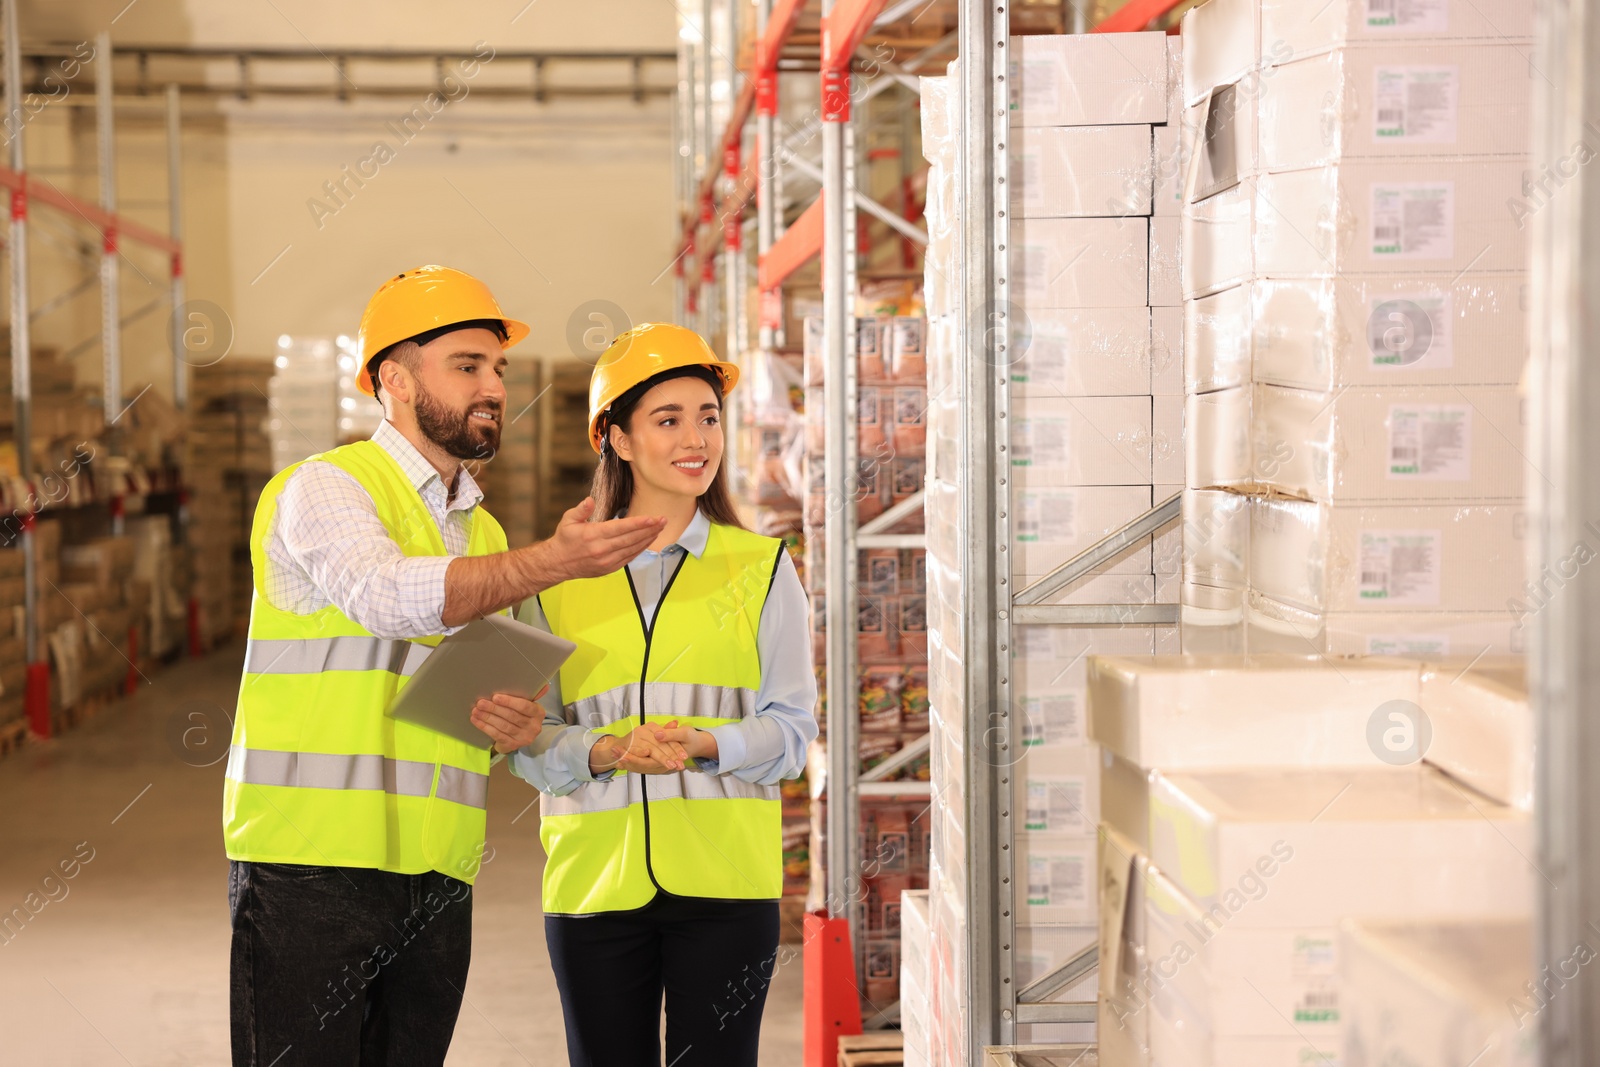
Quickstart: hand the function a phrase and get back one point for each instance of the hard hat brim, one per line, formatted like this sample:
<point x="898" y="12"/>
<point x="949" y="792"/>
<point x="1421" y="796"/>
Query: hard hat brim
<point x="515" y="331"/>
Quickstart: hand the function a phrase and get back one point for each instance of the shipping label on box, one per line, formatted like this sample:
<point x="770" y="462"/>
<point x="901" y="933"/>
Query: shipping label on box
<point x="1088" y="80"/>
<point x="1444" y="215"/>
<point x="1081" y="263"/>
<point x="1305" y="28"/>
<point x="1067" y="352"/>
<point x="1081" y="171"/>
<point x="1458" y="99"/>
<point x="1057" y="873"/>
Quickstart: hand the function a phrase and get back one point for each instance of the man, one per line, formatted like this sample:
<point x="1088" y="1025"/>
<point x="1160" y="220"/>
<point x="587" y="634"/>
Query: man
<point x="354" y="838"/>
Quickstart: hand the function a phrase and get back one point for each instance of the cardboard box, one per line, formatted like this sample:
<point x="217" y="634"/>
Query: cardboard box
<point x="1051" y="525"/>
<point x="1081" y="263"/>
<point x="1218" y="246"/>
<point x="1124" y="800"/>
<point x="1056" y="790"/>
<point x="1216" y="340"/>
<point x="1049" y="665"/>
<point x="1440" y="993"/>
<point x="1274" y="627"/>
<point x="1221" y="45"/>
<point x="1217" y="446"/>
<point x="1063" y="441"/>
<point x="1483" y="730"/>
<point x="1445" y="215"/>
<point x="1081" y="171"/>
<point x="1088" y="80"/>
<point x="1122" y="1024"/>
<point x="1385" y="101"/>
<point x="1166" y="439"/>
<point x="1177" y="712"/>
<point x="1347" y="841"/>
<point x="1216" y="537"/>
<point x="1069" y="352"/>
<point x="1408" y="444"/>
<point x="1166" y="280"/>
<point x="1326" y="333"/>
<point x="1387" y="557"/>
<point x="1166" y="351"/>
<point x="1304" y="29"/>
<point x="1174" y="79"/>
<point x="1220" y="134"/>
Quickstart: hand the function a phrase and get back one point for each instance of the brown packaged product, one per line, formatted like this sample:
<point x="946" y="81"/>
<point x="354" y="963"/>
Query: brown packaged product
<point x="879" y="700"/>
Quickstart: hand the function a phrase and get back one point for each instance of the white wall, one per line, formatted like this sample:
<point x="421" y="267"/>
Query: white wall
<point x="553" y="204"/>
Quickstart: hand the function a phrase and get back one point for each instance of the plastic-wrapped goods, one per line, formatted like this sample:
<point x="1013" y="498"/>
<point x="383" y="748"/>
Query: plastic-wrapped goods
<point x="1326" y="333"/>
<point x="1219" y="136"/>
<point x="1081" y="171"/>
<point x="1081" y="352"/>
<point x="1122" y="1026"/>
<point x="1275" y="627"/>
<point x="1081" y="263"/>
<point x="1050" y="666"/>
<point x="1088" y="80"/>
<point x="1166" y="283"/>
<point x="1064" y="441"/>
<point x="1440" y="994"/>
<point x="1218" y="251"/>
<point x="1216" y="538"/>
<point x="1057" y="870"/>
<point x="1389" y="445"/>
<point x="1391" y="100"/>
<point x="1166" y="439"/>
<point x="1202" y="713"/>
<point x="1221" y="46"/>
<point x="1387" y="557"/>
<point x="915" y="964"/>
<point x="1217" y="446"/>
<point x="1307" y="28"/>
<point x="1167" y="163"/>
<point x="1166" y="351"/>
<point x="1216" y="340"/>
<point x="1483" y="730"/>
<point x="1384" y="216"/>
<point x="1213" y="619"/>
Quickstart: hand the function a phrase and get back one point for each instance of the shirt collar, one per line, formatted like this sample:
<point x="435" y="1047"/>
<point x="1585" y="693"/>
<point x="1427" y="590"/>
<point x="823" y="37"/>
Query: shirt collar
<point x="694" y="536"/>
<point x="420" y="471"/>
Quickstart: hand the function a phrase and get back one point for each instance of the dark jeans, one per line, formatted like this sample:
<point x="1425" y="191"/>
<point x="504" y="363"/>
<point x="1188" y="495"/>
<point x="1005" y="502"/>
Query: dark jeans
<point x="714" y="959"/>
<point x="344" y="966"/>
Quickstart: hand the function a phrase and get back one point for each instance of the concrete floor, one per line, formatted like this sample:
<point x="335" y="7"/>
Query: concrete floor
<point x="129" y="964"/>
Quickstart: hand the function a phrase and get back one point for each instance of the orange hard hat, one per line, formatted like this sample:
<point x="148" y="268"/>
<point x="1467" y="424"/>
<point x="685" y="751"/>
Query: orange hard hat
<point x="417" y="301"/>
<point x="639" y="354"/>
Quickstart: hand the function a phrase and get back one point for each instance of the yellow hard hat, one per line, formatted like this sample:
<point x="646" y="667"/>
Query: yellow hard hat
<point x="418" y="301"/>
<point x="639" y="354"/>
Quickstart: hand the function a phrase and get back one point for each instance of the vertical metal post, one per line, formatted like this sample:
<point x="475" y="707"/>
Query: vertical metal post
<point x="991" y="735"/>
<point x="769" y="206"/>
<point x="180" y="366"/>
<point x="110" y="302"/>
<point x="38" y="695"/>
<point x="1564" y="501"/>
<point x="691" y="139"/>
<point x="839" y="532"/>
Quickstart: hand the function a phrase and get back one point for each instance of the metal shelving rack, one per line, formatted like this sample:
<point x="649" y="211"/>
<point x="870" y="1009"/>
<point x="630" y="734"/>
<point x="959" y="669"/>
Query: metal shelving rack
<point x="26" y="192"/>
<point x="716" y="184"/>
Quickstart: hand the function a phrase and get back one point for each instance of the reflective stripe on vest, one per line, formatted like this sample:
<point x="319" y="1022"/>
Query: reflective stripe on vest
<point x="612" y="845"/>
<point x="323" y="770"/>
<point x="313" y="655"/>
<point x="318" y="774"/>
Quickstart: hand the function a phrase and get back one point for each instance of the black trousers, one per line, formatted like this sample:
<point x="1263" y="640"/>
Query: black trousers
<point x="713" y="959"/>
<point x="345" y="967"/>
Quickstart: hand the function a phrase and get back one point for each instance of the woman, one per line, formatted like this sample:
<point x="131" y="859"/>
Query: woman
<point x="688" y="699"/>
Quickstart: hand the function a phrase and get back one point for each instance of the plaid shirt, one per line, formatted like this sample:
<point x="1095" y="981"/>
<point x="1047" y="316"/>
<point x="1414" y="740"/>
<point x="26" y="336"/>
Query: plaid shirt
<point x="328" y="546"/>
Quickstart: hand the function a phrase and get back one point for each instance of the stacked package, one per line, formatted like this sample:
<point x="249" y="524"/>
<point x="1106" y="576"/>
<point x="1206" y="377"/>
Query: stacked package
<point x="1354" y="279"/>
<point x="304" y="399"/>
<point x="1250" y="806"/>
<point x="891" y="586"/>
<point x="1096" y="423"/>
<point x="228" y="463"/>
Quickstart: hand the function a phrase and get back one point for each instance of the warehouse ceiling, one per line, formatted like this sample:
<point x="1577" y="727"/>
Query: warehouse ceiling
<point x="510" y="24"/>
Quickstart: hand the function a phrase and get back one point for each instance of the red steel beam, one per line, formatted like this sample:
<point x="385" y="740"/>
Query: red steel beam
<point x="843" y="30"/>
<point x="1135" y="15"/>
<point x="793" y="250"/>
<point x="107" y="222"/>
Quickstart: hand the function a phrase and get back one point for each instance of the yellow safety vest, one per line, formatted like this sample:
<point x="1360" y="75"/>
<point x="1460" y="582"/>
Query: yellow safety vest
<point x="317" y="773"/>
<point x="613" y="844"/>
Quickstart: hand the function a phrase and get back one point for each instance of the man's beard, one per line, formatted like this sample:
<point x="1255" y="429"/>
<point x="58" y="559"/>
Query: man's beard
<point x="458" y="433"/>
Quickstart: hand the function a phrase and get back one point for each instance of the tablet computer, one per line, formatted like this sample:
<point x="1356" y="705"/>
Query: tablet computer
<point x="492" y="655"/>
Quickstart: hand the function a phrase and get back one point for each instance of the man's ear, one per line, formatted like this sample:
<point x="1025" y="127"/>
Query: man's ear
<point x="396" y="380"/>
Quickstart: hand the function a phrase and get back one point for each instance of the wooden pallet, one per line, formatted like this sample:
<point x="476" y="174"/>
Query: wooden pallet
<point x="882" y="1048"/>
<point x="12" y="735"/>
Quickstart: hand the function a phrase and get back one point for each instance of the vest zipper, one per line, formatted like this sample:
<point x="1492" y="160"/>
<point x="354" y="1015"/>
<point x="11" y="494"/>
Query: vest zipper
<point x="644" y="673"/>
